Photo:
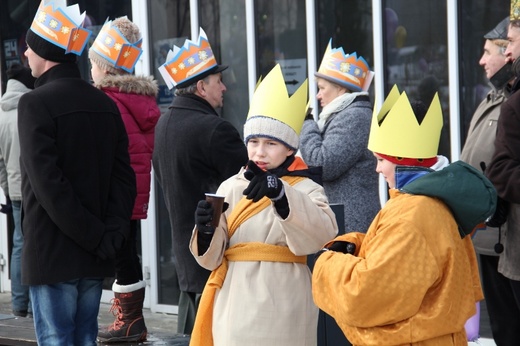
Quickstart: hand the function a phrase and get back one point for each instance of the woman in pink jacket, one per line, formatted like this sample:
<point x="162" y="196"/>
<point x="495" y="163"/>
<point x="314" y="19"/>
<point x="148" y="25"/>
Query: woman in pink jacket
<point x="113" y="56"/>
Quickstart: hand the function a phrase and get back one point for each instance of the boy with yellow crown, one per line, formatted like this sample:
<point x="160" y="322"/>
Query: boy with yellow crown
<point x="412" y="279"/>
<point x="259" y="292"/>
<point x="78" y="186"/>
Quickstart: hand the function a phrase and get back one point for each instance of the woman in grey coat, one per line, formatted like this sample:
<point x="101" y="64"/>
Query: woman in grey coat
<point x="338" y="140"/>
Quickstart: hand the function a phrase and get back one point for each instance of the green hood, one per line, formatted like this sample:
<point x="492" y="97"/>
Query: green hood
<point x="467" y="192"/>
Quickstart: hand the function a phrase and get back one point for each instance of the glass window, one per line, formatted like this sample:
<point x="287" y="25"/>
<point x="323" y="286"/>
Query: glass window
<point x="476" y="19"/>
<point x="225" y="24"/>
<point x="281" y="38"/>
<point x="416" y="54"/>
<point x="349" y="24"/>
<point x="169" y="25"/>
<point x="15" y="19"/>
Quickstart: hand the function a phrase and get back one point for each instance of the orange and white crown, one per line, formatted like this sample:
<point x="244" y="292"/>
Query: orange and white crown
<point x="61" y="25"/>
<point x="112" y="45"/>
<point x="347" y="70"/>
<point x="395" y="130"/>
<point x="186" y="63"/>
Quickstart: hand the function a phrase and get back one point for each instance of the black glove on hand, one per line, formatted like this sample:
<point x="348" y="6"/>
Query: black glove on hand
<point x="110" y="245"/>
<point x="500" y="215"/>
<point x="6" y="208"/>
<point x="204" y="216"/>
<point x="338" y="246"/>
<point x="343" y="246"/>
<point x="262" y="184"/>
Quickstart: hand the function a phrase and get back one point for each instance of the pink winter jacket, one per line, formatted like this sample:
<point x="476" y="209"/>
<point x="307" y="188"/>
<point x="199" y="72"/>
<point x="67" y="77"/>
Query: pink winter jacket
<point x="135" y="97"/>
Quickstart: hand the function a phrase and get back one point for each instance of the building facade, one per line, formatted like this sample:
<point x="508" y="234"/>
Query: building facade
<point x="422" y="46"/>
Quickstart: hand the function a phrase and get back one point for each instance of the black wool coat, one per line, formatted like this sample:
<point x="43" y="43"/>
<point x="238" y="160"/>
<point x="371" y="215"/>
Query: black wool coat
<point x="77" y="180"/>
<point x="195" y="150"/>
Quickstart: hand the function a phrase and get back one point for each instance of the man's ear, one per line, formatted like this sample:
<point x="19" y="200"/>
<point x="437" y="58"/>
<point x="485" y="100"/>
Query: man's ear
<point x="201" y="87"/>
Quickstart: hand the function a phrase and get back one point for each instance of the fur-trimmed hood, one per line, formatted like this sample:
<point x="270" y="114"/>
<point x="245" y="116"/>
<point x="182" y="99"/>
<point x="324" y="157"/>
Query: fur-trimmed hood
<point x="131" y="84"/>
<point x="136" y="99"/>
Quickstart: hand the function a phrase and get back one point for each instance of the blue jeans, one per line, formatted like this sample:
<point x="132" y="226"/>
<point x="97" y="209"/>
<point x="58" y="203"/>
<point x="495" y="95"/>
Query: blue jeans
<point x="65" y="314"/>
<point x="19" y="292"/>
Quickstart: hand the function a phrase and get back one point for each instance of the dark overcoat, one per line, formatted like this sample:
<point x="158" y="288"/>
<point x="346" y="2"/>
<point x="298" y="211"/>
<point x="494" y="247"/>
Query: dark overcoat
<point x="76" y="177"/>
<point x="195" y="150"/>
<point x="504" y="173"/>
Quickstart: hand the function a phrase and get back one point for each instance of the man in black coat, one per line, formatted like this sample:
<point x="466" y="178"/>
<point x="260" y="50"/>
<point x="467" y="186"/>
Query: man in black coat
<point x="77" y="185"/>
<point x="195" y="150"/>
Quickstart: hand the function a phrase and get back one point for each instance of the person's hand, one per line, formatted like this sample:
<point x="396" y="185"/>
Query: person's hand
<point x="110" y="244"/>
<point x="343" y="246"/>
<point x="6" y="208"/>
<point x="262" y="184"/>
<point x="338" y="246"/>
<point x="204" y="216"/>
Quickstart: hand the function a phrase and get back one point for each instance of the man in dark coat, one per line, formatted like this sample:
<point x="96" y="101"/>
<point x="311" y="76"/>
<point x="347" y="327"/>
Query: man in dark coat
<point x="77" y="185"/>
<point x="195" y="150"/>
<point x="504" y="173"/>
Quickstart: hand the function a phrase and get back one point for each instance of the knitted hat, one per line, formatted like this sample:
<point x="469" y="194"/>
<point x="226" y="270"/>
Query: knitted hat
<point x="47" y="50"/>
<point x="273" y="113"/>
<point x="499" y="32"/>
<point x="21" y="74"/>
<point x="115" y="37"/>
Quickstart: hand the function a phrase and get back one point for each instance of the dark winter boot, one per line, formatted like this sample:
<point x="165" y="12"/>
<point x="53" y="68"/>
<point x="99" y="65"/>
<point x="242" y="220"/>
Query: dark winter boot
<point x="127" y="306"/>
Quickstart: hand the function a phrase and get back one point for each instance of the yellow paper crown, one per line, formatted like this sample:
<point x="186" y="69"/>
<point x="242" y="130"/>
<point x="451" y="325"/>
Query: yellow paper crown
<point x="515" y="10"/>
<point x="61" y="25"/>
<point x="183" y="64"/>
<point x="396" y="132"/>
<point x="347" y="70"/>
<point x="272" y="113"/>
<point x="112" y="45"/>
<point x="271" y="99"/>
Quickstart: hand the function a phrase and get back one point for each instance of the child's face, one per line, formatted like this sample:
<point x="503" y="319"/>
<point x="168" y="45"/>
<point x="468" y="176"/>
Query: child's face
<point x="267" y="153"/>
<point x="387" y="169"/>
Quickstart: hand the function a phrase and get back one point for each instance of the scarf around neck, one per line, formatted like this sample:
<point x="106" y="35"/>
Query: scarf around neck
<point x="338" y="104"/>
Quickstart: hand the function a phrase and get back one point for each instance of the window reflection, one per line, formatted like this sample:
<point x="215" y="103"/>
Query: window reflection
<point x="225" y="23"/>
<point x="416" y="54"/>
<point x="169" y="25"/>
<point x="349" y="24"/>
<point x="477" y="18"/>
<point x="281" y="39"/>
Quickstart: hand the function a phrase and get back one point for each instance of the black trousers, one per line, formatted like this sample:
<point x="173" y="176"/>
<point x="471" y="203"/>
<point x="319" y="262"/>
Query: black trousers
<point x="128" y="265"/>
<point x="503" y="302"/>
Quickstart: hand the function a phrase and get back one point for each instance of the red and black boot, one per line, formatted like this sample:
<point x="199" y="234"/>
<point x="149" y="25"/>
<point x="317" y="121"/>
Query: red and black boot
<point x="127" y="306"/>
